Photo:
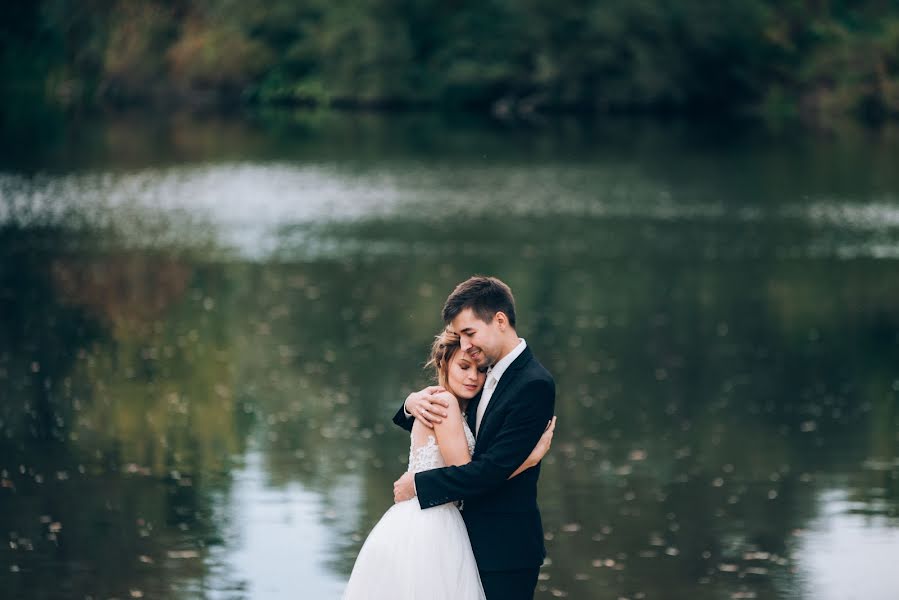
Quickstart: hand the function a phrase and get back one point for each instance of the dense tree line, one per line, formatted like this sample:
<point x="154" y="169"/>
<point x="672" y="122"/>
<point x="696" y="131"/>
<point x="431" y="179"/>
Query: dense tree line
<point x="826" y="57"/>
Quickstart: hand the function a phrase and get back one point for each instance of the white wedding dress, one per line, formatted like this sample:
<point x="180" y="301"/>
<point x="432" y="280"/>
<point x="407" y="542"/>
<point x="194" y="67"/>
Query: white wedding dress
<point x="415" y="554"/>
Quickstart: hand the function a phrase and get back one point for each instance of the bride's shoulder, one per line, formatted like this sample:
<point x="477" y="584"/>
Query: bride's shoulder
<point x="445" y="395"/>
<point x="452" y="401"/>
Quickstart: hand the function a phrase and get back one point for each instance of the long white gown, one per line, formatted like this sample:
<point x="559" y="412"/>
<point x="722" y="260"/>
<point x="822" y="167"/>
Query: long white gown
<point x="415" y="554"/>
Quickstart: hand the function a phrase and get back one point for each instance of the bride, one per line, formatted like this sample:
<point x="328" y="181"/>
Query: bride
<point x="389" y="565"/>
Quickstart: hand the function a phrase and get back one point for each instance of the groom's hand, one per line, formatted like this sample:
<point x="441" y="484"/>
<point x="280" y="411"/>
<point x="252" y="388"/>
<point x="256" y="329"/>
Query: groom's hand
<point x="404" y="488"/>
<point x="426" y="407"/>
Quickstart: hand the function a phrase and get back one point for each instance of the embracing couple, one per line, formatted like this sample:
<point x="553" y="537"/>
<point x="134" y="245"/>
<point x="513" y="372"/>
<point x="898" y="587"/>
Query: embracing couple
<point x="466" y="525"/>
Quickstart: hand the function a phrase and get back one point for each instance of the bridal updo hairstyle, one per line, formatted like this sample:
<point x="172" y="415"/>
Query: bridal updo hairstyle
<point x="445" y="345"/>
<point x="485" y="296"/>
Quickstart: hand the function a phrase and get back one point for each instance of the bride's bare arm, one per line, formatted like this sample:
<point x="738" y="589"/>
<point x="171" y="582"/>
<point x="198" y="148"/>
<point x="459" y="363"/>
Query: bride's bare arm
<point x="539" y="450"/>
<point x="451" y="434"/>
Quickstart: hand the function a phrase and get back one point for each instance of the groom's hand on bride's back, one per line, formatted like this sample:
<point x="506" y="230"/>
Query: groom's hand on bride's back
<point x="426" y="406"/>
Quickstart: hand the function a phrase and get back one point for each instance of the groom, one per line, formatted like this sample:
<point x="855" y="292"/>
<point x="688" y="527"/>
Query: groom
<point x="518" y="400"/>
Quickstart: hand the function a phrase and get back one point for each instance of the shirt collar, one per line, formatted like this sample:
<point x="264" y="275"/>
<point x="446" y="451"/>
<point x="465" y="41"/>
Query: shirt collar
<point x="502" y="364"/>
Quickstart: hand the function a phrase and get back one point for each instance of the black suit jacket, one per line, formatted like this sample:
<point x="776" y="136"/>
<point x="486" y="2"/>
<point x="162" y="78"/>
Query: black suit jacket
<point x="501" y="514"/>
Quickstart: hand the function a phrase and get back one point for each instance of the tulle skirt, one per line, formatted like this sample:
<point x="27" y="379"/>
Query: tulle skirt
<point x="415" y="554"/>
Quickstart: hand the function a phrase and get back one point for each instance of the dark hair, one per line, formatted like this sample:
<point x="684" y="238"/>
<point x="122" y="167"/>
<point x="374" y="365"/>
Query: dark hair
<point x="445" y="345"/>
<point x="486" y="296"/>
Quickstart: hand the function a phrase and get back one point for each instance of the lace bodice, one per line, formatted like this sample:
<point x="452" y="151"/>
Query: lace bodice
<point x="427" y="455"/>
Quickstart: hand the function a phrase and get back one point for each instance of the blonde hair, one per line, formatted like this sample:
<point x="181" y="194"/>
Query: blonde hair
<point x="442" y="350"/>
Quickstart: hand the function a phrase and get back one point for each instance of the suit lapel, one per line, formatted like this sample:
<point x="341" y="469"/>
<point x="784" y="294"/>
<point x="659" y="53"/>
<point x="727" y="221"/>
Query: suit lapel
<point x="504" y="381"/>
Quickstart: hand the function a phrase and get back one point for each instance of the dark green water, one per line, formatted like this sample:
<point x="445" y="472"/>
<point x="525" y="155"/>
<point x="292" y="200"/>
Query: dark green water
<point x="207" y="324"/>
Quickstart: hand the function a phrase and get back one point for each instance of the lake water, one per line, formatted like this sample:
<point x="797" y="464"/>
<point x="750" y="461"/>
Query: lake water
<point x="206" y="325"/>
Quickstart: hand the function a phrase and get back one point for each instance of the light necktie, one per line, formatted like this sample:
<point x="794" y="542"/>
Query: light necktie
<point x="489" y="386"/>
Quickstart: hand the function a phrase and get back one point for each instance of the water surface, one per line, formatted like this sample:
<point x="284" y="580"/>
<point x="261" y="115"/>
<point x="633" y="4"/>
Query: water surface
<point x="206" y="325"/>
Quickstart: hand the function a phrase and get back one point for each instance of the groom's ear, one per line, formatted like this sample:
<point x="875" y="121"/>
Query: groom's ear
<point x="502" y="321"/>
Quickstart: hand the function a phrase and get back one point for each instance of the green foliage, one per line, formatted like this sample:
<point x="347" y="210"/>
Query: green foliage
<point x="823" y="57"/>
<point x="208" y="56"/>
<point x="134" y="59"/>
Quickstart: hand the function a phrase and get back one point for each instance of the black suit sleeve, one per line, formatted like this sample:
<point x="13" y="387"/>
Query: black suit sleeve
<point x="524" y="423"/>
<point x="400" y="418"/>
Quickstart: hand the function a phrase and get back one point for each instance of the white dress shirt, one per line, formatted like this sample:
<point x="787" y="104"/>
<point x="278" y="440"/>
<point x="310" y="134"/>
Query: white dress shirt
<point x="493" y="377"/>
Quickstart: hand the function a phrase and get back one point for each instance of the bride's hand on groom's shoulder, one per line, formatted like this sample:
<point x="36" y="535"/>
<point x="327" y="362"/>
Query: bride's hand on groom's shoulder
<point x="426" y="406"/>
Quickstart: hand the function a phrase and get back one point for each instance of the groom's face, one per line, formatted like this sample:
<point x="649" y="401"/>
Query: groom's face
<point x="481" y="341"/>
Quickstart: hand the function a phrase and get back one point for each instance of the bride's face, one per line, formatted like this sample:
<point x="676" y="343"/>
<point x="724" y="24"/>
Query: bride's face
<point x="464" y="377"/>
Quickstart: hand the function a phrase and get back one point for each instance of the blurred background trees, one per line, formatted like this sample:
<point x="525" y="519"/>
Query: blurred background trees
<point x="808" y="57"/>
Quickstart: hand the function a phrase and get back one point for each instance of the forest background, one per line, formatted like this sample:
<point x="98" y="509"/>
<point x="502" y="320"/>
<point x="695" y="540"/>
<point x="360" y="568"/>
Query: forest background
<point x="814" y="59"/>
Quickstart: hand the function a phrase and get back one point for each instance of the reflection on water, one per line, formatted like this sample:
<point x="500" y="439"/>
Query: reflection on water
<point x="275" y="544"/>
<point x="261" y="209"/>
<point x="205" y="331"/>
<point x="847" y="537"/>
